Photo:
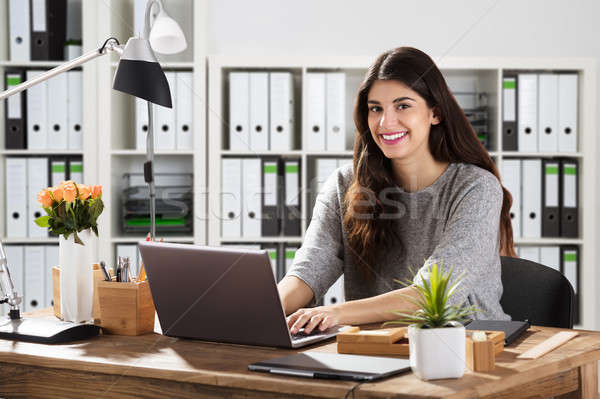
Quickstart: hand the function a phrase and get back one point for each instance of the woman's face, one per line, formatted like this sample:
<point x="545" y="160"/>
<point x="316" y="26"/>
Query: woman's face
<point x="399" y="120"/>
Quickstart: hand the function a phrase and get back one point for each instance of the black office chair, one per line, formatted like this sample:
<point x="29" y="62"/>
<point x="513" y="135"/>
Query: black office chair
<point x="536" y="293"/>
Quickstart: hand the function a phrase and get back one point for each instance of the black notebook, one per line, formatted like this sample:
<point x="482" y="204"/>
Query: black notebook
<point x="512" y="329"/>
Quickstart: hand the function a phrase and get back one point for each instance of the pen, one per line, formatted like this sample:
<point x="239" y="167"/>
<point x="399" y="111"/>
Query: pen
<point x="103" y="267"/>
<point x="119" y="269"/>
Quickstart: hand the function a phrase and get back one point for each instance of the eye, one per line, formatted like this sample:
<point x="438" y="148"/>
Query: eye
<point x="403" y="106"/>
<point x="374" y="108"/>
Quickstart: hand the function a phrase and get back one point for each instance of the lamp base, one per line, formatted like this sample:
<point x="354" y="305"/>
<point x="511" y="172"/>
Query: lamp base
<point x="45" y="330"/>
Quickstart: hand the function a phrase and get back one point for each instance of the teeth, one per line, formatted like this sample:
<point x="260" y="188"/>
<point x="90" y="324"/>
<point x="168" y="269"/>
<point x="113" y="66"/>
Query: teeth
<point x="393" y="136"/>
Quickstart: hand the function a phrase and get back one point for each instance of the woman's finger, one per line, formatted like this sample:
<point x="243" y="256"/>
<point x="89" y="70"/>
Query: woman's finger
<point x="313" y="322"/>
<point x="293" y="317"/>
<point x="300" y="322"/>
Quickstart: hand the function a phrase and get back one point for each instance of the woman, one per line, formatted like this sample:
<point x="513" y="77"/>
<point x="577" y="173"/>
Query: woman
<point x="421" y="188"/>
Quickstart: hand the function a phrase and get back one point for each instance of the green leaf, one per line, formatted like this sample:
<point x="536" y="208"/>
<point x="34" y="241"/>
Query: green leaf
<point x="42" y="221"/>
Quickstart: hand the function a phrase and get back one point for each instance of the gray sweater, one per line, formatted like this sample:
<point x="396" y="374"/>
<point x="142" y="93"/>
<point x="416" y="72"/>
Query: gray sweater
<point x="454" y="220"/>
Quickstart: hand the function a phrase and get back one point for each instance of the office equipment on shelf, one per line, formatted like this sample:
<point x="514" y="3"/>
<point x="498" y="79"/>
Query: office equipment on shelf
<point x="75" y="169"/>
<point x="48" y="29"/>
<point x="532" y="198"/>
<point x="271" y="198"/>
<point x="548" y="112"/>
<point x="16" y="197"/>
<point x="58" y="170"/>
<point x="57" y="106"/>
<point x="550" y="256"/>
<point x="35" y="277"/>
<point x="291" y="206"/>
<point x="509" y="112"/>
<point x="37" y="113"/>
<point x="165" y="119"/>
<point x="239" y="111"/>
<point x="37" y="180"/>
<point x="527" y="102"/>
<point x="75" y="110"/>
<point x="335" y="125"/>
<point x="548" y="345"/>
<point x="511" y="179"/>
<point x="184" y="117"/>
<point x="335" y="294"/>
<point x="51" y="256"/>
<point x="281" y="105"/>
<point x="568" y="94"/>
<point x="570" y="267"/>
<point x="315" y="131"/>
<point x="15" y="115"/>
<point x="19" y="28"/>
<point x="252" y="215"/>
<point x="550" y="198"/>
<point x="569" y="211"/>
<point x="258" y="124"/>
<point x="73" y="34"/>
<point x="231" y="197"/>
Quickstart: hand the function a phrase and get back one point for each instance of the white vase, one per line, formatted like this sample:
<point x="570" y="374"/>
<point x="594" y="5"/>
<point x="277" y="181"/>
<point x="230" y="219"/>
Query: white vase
<point x="76" y="276"/>
<point x="437" y="353"/>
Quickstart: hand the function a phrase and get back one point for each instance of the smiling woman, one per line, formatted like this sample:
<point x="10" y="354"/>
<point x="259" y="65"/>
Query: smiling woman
<point x="422" y="187"/>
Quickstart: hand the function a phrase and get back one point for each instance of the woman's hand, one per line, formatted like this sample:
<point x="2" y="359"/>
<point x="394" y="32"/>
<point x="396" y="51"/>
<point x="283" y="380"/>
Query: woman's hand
<point x="322" y="317"/>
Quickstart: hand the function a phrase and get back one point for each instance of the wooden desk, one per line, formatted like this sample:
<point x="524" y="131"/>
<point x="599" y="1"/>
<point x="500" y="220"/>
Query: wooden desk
<point x="156" y="366"/>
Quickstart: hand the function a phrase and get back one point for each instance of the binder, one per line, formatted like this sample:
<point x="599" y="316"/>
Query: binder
<point x="532" y="198"/>
<point x="57" y="112"/>
<point x="73" y="49"/>
<point x="76" y="170"/>
<point x="52" y="260"/>
<point x="37" y="113"/>
<point x="15" y="112"/>
<point x="73" y="28"/>
<point x="528" y="112"/>
<point x="570" y="269"/>
<point x="239" y="111"/>
<point x="48" y="29"/>
<point x="291" y="209"/>
<point x="511" y="178"/>
<point x="37" y="180"/>
<point x="259" y="111"/>
<point x="509" y="112"/>
<point x="35" y="278"/>
<point x="569" y="211"/>
<point x="336" y="111"/>
<point x="550" y="198"/>
<point x="231" y="197"/>
<point x="184" y="102"/>
<point x="281" y="103"/>
<point x="165" y="120"/>
<point x="58" y="170"/>
<point x="141" y="124"/>
<point x="567" y="112"/>
<point x="548" y="113"/>
<point x="75" y="110"/>
<point x="271" y="199"/>
<point x="530" y="253"/>
<point x="272" y="252"/>
<point x="335" y="294"/>
<point x="16" y="197"/>
<point x="314" y="132"/>
<point x="20" y="36"/>
<point x="550" y="256"/>
<point x="15" y="256"/>
<point x="251" y="198"/>
<point x="290" y="254"/>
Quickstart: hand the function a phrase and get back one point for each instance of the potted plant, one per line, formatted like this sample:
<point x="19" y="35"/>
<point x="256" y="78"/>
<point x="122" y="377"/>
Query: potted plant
<point x="435" y="334"/>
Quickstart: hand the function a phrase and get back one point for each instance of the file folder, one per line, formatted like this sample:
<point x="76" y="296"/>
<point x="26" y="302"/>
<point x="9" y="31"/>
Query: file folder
<point x="165" y="119"/>
<point x="290" y="254"/>
<point x="272" y="251"/>
<point x="239" y="111"/>
<point x="530" y="253"/>
<point x="550" y="256"/>
<point x="292" y="215"/>
<point x="16" y="197"/>
<point x="570" y="269"/>
<point x="511" y="178"/>
<point x="231" y="197"/>
<point x="15" y="112"/>
<point x="528" y="112"/>
<point x="569" y="226"/>
<point x="48" y="29"/>
<point x="336" y="111"/>
<point x="19" y="27"/>
<point x="548" y="113"/>
<point x="251" y="198"/>
<point x="141" y="124"/>
<point x="567" y="112"/>
<point x="184" y="103"/>
<point x="58" y="170"/>
<point x="76" y="170"/>
<point x="509" y="112"/>
<point x="259" y="111"/>
<point x="281" y="102"/>
<point x="37" y="180"/>
<point x="37" y="113"/>
<point x="35" y="277"/>
<point x="532" y="198"/>
<point x="335" y="294"/>
<point x="314" y="132"/>
<point x="57" y="112"/>
<point x="271" y="205"/>
<point x="15" y="256"/>
<point x="550" y="196"/>
<point x="52" y="260"/>
<point x="75" y="110"/>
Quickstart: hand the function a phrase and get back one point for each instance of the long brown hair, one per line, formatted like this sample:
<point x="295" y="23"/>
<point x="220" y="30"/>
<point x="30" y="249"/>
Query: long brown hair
<point x="452" y="140"/>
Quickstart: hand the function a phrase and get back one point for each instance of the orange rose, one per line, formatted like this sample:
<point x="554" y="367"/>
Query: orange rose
<point x="84" y="191"/>
<point x="57" y="193"/>
<point x="96" y="191"/>
<point x="44" y="198"/>
<point x="69" y="191"/>
<point x="62" y="184"/>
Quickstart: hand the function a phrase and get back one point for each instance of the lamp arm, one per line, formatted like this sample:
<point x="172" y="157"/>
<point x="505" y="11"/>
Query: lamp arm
<point x="110" y="45"/>
<point x="147" y="23"/>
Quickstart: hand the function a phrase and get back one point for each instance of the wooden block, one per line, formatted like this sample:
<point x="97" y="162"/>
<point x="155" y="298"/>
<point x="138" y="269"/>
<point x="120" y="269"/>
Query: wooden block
<point x="400" y="347"/>
<point x="548" y="345"/>
<point x="125" y="308"/>
<point x="497" y="337"/>
<point x="480" y="355"/>
<point x="98" y="276"/>
<point x="56" y="291"/>
<point x="382" y="336"/>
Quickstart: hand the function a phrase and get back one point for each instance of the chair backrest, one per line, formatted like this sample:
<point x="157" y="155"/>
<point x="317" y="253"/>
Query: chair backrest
<point x="536" y="293"/>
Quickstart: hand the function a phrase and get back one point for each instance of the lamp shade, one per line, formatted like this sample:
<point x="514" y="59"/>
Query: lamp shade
<point x="139" y="74"/>
<point x="166" y="37"/>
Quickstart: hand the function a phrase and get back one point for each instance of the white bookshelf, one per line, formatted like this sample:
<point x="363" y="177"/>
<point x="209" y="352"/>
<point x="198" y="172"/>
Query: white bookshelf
<point x="487" y="72"/>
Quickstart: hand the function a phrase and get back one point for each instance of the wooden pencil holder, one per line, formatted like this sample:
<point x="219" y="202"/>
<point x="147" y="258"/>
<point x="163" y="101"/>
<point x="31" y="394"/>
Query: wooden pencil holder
<point x="125" y="308"/>
<point x="481" y="355"/>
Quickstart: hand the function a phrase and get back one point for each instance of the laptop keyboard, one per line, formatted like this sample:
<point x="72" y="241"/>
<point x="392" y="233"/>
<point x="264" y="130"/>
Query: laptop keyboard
<point x="301" y="334"/>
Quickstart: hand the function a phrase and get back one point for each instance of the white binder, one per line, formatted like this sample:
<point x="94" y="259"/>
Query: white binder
<point x="281" y="102"/>
<point x="20" y="36"/>
<point x="239" y="111"/>
<point x="290" y="254"/>
<point x="336" y="111"/>
<point x="37" y="114"/>
<point x="58" y="170"/>
<point x="527" y="104"/>
<point x="335" y="294"/>
<point x="16" y="197"/>
<point x="15" y="256"/>
<point x="75" y="107"/>
<point x="251" y="198"/>
<point x="532" y="198"/>
<point x="184" y="103"/>
<point x="165" y="130"/>
<point x="325" y="167"/>
<point x="511" y="178"/>
<point x="76" y="171"/>
<point x="567" y="112"/>
<point x="141" y="124"/>
<point x="51" y="261"/>
<point x="37" y="180"/>
<point x="570" y="267"/>
<point x="57" y="112"/>
<point x="550" y="256"/>
<point x="530" y="253"/>
<point x="231" y="197"/>
<point x="314" y="131"/>
<point x="35" y="278"/>
<point x="548" y="113"/>
<point x="259" y="111"/>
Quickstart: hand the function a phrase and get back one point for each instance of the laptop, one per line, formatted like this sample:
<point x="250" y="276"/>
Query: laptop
<point x="219" y="294"/>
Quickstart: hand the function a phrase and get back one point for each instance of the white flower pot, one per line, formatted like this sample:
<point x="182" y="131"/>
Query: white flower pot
<point x="437" y="353"/>
<point x="76" y="276"/>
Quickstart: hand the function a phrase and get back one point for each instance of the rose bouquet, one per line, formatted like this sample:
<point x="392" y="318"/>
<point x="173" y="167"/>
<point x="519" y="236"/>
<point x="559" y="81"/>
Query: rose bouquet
<point x="71" y="208"/>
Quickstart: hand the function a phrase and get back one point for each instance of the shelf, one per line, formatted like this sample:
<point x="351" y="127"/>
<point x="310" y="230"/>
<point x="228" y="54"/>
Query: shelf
<point x="29" y="64"/>
<point x="166" y="65"/>
<point x="261" y="153"/>
<point x="260" y="239"/>
<point x="541" y="154"/>
<point x="30" y="240"/>
<point x="129" y="240"/>
<point x="156" y="152"/>
<point x="548" y="241"/>
<point x="330" y="153"/>
<point x="41" y="152"/>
